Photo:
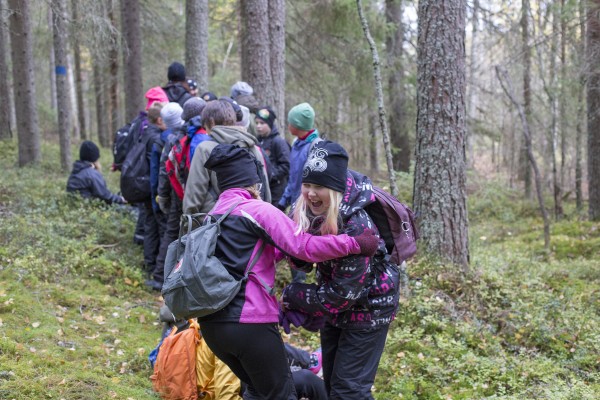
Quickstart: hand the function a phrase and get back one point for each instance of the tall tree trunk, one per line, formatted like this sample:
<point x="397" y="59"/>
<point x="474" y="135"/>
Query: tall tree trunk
<point x="196" y="42"/>
<point x="552" y="91"/>
<point x="5" y="125"/>
<point x="21" y="41"/>
<point x="373" y="159"/>
<point x="563" y="94"/>
<point x="116" y="117"/>
<point x="256" y="57"/>
<point x="524" y="167"/>
<point x="379" y="95"/>
<point x="440" y="170"/>
<point x="473" y="54"/>
<point x="277" y="35"/>
<point x="580" y="109"/>
<point x="508" y="89"/>
<point x="81" y="111"/>
<point x="101" y="112"/>
<point x="59" y="19"/>
<point x="593" y="107"/>
<point x="132" y="58"/>
<point x="51" y="72"/>
<point x="396" y="92"/>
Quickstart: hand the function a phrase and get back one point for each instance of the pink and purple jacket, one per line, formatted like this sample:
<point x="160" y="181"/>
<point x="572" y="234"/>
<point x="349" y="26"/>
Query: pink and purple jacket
<point x="250" y="224"/>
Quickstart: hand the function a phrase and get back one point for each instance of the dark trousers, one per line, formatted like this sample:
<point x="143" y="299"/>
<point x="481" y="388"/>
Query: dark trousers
<point x="152" y="235"/>
<point x="255" y="354"/>
<point x="170" y="233"/>
<point x="309" y="385"/>
<point x="141" y="218"/>
<point x="350" y="360"/>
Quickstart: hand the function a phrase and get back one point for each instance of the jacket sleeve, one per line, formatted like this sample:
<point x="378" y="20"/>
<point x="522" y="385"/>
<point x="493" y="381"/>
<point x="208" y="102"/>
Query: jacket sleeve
<point x="281" y="165"/>
<point x="99" y="190"/>
<point x="164" y="186"/>
<point x="347" y="283"/>
<point x="198" y="182"/>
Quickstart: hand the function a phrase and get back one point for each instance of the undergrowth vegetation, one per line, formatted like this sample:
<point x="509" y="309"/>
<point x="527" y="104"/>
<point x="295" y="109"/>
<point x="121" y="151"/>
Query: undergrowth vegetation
<point x="76" y="322"/>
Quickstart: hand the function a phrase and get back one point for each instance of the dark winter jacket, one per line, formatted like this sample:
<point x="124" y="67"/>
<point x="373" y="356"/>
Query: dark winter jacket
<point x="164" y="188"/>
<point x="278" y="151"/>
<point x="251" y="223"/>
<point x="353" y="291"/>
<point x="177" y="93"/>
<point x="153" y="157"/>
<point x="89" y="182"/>
<point x="298" y="157"/>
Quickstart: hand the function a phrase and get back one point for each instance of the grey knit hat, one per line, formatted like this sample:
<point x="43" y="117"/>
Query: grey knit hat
<point x="171" y="115"/>
<point x="192" y="108"/>
<point x="240" y="88"/>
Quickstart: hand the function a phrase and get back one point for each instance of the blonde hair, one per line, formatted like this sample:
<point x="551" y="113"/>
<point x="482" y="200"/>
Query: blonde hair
<point x="253" y="190"/>
<point x="330" y="223"/>
<point x="154" y="112"/>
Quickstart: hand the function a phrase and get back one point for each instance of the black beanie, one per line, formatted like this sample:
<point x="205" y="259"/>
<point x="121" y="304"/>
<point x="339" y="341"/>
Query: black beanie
<point x="88" y="151"/>
<point x="267" y="114"/>
<point x="326" y="166"/>
<point x="209" y="96"/>
<point x="234" y="166"/>
<point x="176" y="72"/>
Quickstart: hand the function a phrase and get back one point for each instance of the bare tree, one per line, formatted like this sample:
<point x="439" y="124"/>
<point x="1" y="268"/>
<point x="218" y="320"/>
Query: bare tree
<point x="593" y="107"/>
<point x="21" y="41"/>
<point x="256" y="57"/>
<point x="397" y="98"/>
<point x="5" y="127"/>
<point x="277" y="50"/>
<point x="196" y="42"/>
<point x="116" y="119"/>
<point x="51" y="65"/>
<point x="59" y="19"/>
<point x="440" y="169"/>
<point x="132" y="58"/>
<point x="81" y="115"/>
<point x="524" y="168"/>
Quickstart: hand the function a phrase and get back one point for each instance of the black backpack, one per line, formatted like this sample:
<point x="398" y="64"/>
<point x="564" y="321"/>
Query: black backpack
<point x="135" y="171"/>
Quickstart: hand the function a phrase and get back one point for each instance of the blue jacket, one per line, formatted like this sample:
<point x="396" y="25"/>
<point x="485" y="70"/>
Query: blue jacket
<point x="298" y="157"/>
<point x="89" y="183"/>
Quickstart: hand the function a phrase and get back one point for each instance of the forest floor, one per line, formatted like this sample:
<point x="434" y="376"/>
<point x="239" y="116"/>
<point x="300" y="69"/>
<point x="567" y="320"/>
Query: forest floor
<point x="76" y="321"/>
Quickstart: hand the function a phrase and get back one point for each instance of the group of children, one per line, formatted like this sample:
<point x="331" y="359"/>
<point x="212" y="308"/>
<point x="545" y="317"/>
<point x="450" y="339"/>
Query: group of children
<point x="210" y="154"/>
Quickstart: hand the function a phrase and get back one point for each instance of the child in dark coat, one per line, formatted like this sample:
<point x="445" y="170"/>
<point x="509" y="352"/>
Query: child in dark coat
<point x="86" y="178"/>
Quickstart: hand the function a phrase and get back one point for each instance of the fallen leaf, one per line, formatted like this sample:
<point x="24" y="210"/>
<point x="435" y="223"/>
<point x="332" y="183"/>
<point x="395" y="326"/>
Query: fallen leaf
<point x="36" y="324"/>
<point x="128" y="281"/>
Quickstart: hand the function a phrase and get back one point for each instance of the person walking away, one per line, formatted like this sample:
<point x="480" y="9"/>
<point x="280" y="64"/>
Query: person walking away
<point x="177" y="88"/>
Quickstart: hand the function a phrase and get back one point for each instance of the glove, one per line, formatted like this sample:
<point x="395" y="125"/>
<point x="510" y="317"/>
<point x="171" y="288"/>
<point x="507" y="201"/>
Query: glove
<point x="368" y="242"/>
<point x="163" y="203"/>
<point x="314" y="323"/>
<point x="291" y="317"/>
<point x="281" y="207"/>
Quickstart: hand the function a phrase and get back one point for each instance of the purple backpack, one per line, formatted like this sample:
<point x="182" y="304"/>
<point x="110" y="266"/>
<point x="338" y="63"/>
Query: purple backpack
<point x="396" y="225"/>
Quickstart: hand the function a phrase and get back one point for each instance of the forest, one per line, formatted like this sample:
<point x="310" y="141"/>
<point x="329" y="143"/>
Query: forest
<point x="482" y="115"/>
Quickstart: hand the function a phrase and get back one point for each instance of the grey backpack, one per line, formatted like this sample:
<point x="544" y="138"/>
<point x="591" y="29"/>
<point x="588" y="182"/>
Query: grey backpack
<point x="196" y="282"/>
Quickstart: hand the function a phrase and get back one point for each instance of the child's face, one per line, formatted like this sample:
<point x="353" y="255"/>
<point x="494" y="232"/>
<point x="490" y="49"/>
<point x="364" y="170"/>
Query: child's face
<point x="317" y="198"/>
<point x="262" y="127"/>
<point x="161" y="124"/>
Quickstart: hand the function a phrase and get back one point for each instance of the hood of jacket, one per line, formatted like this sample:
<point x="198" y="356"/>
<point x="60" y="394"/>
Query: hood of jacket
<point x="175" y="91"/>
<point x="358" y="194"/>
<point x="79" y="166"/>
<point x="233" y="135"/>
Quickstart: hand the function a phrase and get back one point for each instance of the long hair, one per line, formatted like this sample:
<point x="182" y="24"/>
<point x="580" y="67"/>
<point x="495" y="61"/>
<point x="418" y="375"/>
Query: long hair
<point x="254" y="191"/>
<point x="330" y="223"/>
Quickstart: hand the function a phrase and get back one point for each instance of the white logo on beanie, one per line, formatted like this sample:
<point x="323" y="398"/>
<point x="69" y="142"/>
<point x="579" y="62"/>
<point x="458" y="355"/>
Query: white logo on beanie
<point x="316" y="162"/>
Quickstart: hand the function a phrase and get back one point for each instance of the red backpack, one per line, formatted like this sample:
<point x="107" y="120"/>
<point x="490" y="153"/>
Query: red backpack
<point x="178" y="163"/>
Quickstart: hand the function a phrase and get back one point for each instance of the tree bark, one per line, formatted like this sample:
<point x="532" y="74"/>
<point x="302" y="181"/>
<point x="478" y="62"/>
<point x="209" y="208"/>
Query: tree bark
<point x="59" y="19"/>
<point x="397" y="118"/>
<point x="473" y="54"/>
<point x="101" y="112"/>
<point x="580" y="109"/>
<point x="81" y="109"/>
<point x="28" y="132"/>
<point x="115" y="115"/>
<point x="277" y="50"/>
<point x="196" y="42"/>
<point x="132" y="58"/>
<point x="524" y="168"/>
<point x="593" y="107"/>
<point x="440" y="169"/>
<point x="256" y="57"/>
<point x="507" y="87"/>
<point x="51" y="72"/>
<point x="5" y="125"/>
<point x="380" y="103"/>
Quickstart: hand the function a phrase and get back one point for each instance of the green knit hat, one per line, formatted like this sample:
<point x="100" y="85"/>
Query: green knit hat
<point x="302" y="117"/>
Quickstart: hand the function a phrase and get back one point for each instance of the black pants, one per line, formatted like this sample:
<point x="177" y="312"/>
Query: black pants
<point x="350" y="360"/>
<point x="309" y="385"/>
<point x="152" y="235"/>
<point x="255" y="354"/>
<point x="170" y="233"/>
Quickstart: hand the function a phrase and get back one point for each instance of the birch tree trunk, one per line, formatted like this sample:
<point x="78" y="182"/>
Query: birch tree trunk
<point x="21" y="41"/>
<point x="132" y="58"/>
<point x="440" y="169"/>
<point x="196" y="42"/>
<point x="59" y="19"/>
<point x="277" y="50"/>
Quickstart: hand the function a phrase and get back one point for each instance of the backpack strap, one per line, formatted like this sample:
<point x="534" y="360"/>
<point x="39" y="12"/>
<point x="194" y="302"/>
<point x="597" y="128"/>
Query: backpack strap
<point x="270" y="290"/>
